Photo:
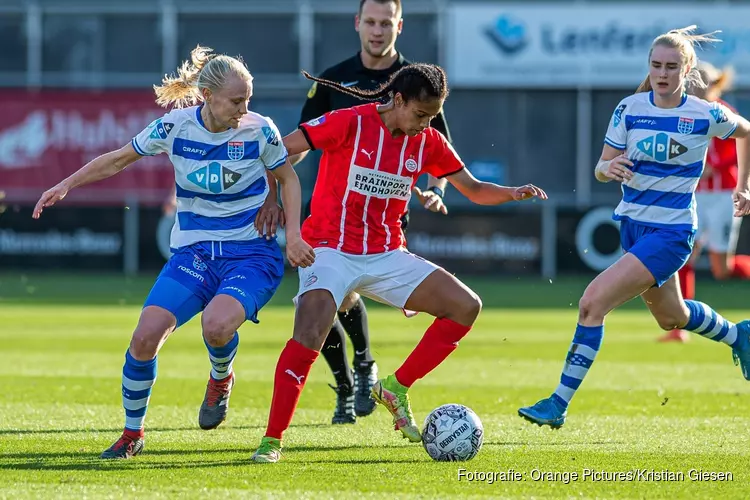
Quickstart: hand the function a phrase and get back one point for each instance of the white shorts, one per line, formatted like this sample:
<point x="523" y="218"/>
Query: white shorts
<point x="718" y="228"/>
<point x="389" y="277"/>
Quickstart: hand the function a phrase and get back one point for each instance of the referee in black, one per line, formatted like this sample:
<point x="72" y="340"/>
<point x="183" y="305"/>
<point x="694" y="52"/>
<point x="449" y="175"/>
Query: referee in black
<point x="378" y="23"/>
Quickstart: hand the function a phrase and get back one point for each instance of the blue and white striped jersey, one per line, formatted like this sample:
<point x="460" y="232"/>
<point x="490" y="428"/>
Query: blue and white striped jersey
<point x="668" y="149"/>
<point x="220" y="177"/>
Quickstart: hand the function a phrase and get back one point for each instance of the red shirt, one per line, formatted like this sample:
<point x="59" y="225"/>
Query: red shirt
<point x="722" y="158"/>
<point x="365" y="179"/>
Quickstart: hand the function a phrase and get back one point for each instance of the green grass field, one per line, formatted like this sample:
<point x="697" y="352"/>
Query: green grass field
<point x="643" y="406"/>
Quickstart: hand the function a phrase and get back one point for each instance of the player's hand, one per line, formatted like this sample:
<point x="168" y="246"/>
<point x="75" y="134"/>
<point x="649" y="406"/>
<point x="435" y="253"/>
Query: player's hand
<point x="741" y="199"/>
<point x="49" y="198"/>
<point x="270" y="216"/>
<point x="430" y="200"/>
<point x="299" y="253"/>
<point x="529" y="191"/>
<point x="619" y="169"/>
<point x="708" y="171"/>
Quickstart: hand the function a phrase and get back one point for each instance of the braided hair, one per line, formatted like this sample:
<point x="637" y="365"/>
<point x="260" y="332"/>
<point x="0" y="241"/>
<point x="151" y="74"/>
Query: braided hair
<point x="415" y="81"/>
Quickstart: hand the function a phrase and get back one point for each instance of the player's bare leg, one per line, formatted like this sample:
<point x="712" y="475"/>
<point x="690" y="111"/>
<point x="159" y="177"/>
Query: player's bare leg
<point x="455" y="308"/>
<point x="312" y="321"/>
<point x="139" y="374"/>
<point x="624" y="280"/>
<point x="220" y="321"/>
<point x="671" y="311"/>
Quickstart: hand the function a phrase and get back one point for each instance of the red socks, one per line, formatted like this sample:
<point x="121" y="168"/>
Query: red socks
<point x="440" y="339"/>
<point x="687" y="281"/>
<point x="740" y="266"/>
<point x="292" y="370"/>
<point x="133" y="434"/>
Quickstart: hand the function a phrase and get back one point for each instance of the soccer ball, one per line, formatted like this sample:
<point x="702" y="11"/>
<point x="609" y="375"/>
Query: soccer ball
<point x="452" y="433"/>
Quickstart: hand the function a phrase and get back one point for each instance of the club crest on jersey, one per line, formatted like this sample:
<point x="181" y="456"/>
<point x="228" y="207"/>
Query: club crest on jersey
<point x="661" y="147"/>
<point x="214" y="177"/>
<point x="317" y="121"/>
<point x="617" y="117"/>
<point x="685" y="125"/>
<point x="198" y="264"/>
<point x="235" y="150"/>
<point x="411" y="165"/>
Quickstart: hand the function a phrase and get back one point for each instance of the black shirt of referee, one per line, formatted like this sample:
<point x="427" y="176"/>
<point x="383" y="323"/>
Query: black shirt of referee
<point x="351" y="72"/>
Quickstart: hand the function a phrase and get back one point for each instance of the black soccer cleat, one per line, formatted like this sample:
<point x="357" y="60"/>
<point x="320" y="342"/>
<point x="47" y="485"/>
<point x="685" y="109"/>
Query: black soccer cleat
<point x="365" y="376"/>
<point x="125" y="447"/>
<point x="215" y="403"/>
<point x="344" y="413"/>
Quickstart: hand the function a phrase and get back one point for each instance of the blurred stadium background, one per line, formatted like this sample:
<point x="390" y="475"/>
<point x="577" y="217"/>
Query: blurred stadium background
<point x="533" y="86"/>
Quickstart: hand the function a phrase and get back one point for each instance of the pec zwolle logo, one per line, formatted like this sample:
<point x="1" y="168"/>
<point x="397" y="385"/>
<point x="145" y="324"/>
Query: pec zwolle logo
<point x="214" y="177"/>
<point x="198" y="264"/>
<point x="661" y="147"/>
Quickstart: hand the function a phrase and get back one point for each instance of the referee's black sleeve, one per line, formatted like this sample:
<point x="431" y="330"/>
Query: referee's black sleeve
<point x="441" y="125"/>
<point x="317" y="103"/>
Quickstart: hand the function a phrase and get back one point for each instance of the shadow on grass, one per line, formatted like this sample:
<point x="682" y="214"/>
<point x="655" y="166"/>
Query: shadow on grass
<point x="149" y="430"/>
<point x="181" y="458"/>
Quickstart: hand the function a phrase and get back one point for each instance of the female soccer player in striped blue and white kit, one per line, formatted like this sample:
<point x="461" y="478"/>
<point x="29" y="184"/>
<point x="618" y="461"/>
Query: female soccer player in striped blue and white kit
<point x="220" y="264"/>
<point x="656" y="147"/>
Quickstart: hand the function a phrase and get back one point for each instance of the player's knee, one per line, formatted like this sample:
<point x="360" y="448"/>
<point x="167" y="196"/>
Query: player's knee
<point x="145" y="343"/>
<point x="349" y="302"/>
<point x="315" y="314"/>
<point x="467" y="308"/>
<point x="217" y="329"/>
<point x="671" y="320"/>
<point x="312" y="333"/>
<point x="589" y="308"/>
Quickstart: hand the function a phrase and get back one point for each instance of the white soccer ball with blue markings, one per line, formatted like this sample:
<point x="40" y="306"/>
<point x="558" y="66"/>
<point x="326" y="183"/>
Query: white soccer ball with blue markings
<point x="452" y="433"/>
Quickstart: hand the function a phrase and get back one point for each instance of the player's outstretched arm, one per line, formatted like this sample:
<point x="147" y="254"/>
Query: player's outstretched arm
<point x="488" y="193"/>
<point x="741" y="195"/>
<point x="298" y="252"/>
<point x="99" y="168"/>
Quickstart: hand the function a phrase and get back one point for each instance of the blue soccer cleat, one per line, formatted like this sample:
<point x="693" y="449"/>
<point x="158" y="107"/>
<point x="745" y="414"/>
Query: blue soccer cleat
<point x="545" y="412"/>
<point x="741" y="353"/>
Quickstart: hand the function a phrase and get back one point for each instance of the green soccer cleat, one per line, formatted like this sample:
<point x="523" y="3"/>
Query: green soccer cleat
<point x="268" y="452"/>
<point x="389" y="393"/>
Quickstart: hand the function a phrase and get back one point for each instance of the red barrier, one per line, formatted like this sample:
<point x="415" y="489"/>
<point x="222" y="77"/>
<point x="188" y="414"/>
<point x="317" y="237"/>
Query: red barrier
<point x="45" y="136"/>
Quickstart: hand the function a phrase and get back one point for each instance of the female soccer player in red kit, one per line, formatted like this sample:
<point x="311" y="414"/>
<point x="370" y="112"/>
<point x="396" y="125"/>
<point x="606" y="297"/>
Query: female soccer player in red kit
<point x="372" y="157"/>
<point x="718" y="229"/>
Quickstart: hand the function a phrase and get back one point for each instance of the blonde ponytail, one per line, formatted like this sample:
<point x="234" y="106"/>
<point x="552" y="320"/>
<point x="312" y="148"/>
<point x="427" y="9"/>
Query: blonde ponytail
<point x="204" y="70"/>
<point x="645" y="85"/>
<point x="685" y="40"/>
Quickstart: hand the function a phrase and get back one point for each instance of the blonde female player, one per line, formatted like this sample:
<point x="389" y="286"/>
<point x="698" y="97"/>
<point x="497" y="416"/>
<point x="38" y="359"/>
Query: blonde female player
<point x="220" y="264"/>
<point x="655" y="146"/>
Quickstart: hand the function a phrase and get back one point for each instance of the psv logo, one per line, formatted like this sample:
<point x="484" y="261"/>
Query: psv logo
<point x="214" y="177"/>
<point x="661" y="147"/>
